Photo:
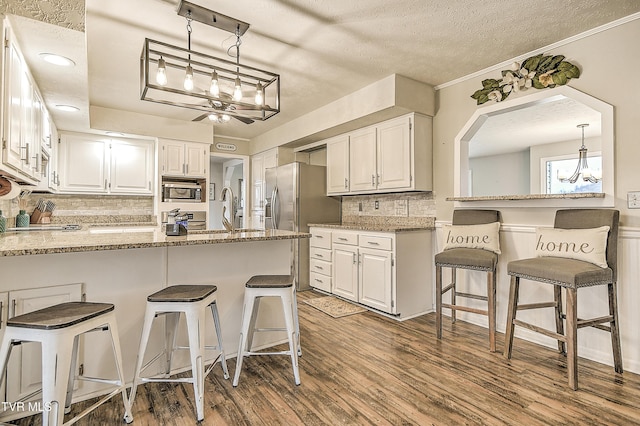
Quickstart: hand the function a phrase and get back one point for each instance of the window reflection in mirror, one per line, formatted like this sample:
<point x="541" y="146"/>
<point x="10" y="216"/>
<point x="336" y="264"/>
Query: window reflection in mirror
<point x="517" y="148"/>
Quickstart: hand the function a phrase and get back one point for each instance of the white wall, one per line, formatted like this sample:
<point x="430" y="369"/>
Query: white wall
<point x="500" y="174"/>
<point x="215" y="205"/>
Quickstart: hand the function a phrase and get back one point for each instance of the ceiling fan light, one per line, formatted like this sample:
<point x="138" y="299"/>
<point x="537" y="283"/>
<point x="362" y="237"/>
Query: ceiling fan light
<point x="259" y="94"/>
<point x="188" y="78"/>
<point x="225" y="118"/>
<point x="215" y="88"/>
<point x="237" y="92"/>
<point x="161" y="74"/>
<point x="213" y="117"/>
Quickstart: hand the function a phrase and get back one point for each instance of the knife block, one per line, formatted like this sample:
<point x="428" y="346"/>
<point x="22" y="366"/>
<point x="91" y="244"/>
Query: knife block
<point x="38" y="216"/>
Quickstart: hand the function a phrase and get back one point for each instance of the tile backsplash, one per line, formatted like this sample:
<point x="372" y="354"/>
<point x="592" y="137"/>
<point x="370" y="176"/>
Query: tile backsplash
<point x="80" y="208"/>
<point x="405" y="208"/>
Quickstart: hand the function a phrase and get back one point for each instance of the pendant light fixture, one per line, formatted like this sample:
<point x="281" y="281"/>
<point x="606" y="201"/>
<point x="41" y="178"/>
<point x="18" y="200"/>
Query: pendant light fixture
<point x="582" y="168"/>
<point x="189" y="79"/>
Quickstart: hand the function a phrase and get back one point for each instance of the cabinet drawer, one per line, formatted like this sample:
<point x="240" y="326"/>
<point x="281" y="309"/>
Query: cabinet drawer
<point x="321" y="282"/>
<point x="321" y="239"/>
<point x="320" y="254"/>
<point x="320" y="267"/>
<point x="345" y="238"/>
<point x="372" y="241"/>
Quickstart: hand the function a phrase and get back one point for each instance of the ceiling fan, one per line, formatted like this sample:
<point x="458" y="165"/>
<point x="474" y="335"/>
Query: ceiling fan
<point x="220" y="107"/>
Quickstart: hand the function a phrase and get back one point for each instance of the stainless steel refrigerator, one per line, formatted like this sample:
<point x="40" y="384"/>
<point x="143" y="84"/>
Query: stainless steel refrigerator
<point x="296" y="195"/>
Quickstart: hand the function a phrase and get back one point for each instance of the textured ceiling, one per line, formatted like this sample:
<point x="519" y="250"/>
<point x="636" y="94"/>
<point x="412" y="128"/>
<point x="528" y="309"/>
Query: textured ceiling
<point x="325" y="49"/>
<point x="64" y="13"/>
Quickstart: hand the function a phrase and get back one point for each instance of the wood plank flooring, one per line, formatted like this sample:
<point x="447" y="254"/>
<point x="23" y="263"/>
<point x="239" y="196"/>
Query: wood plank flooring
<point x="368" y="369"/>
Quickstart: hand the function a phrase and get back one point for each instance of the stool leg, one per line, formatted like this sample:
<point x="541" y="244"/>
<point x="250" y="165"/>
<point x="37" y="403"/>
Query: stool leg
<point x="216" y="323"/>
<point x="491" y="308"/>
<point x="195" y="323"/>
<point x="247" y="312"/>
<point x="5" y="353"/>
<point x="170" y="330"/>
<point x="511" y="315"/>
<point x="72" y="375"/>
<point x="615" y="333"/>
<point x="454" y="273"/>
<point x="252" y="322"/>
<point x="117" y="355"/>
<point x="557" y="298"/>
<point x="438" y="302"/>
<point x="291" y="334"/>
<point x="56" y="363"/>
<point x="144" y="340"/>
<point x="572" y="338"/>
<point x="295" y="318"/>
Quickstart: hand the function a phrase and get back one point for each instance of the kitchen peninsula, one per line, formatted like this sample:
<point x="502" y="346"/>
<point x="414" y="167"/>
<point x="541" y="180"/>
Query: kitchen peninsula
<point x="124" y="265"/>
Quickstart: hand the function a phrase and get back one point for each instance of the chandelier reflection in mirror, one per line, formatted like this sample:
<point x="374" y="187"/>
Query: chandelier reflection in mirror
<point x="221" y="89"/>
<point x="582" y="168"/>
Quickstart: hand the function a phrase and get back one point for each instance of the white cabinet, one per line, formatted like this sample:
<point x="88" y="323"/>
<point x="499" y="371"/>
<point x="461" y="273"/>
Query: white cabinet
<point x="391" y="156"/>
<point x="320" y="262"/>
<point x="338" y="165"/>
<point x="387" y="271"/>
<point x="184" y="159"/>
<point x="24" y="372"/>
<point x="101" y="165"/>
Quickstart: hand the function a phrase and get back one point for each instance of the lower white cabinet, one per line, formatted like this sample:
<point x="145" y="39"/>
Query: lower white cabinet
<point x="320" y="262"/>
<point x="387" y="271"/>
<point x="24" y="372"/>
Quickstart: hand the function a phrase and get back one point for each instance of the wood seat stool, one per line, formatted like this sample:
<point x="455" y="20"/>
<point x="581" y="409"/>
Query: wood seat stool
<point x="58" y="329"/>
<point x="473" y="259"/>
<point x="193" y="301"/>
<point x="256" y="288"/>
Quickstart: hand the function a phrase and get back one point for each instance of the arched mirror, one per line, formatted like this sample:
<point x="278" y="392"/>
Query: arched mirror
<point x="532" y="149"/>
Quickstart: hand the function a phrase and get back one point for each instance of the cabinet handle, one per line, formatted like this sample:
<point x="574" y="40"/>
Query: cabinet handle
<point x="378" y="179"/>
<point x="342" y="239"/>
<point x="319" y="255"/>
<point x="346" y="184"/>
<point x="373" y="243"/>
<point x="318" y="236"/>
<point x="318" y="280"/>
<point x="354" y="258"/>
<point x="319" y="267"/>
<point x="373" y="180"/>
<point x="105" y="184"/>
<point x="1" y="308"/>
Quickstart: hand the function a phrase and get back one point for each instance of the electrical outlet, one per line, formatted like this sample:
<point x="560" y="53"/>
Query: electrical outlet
<point x="359" y="207"/>
<point x="376" y="204"/>
<point x="633" y="200"/>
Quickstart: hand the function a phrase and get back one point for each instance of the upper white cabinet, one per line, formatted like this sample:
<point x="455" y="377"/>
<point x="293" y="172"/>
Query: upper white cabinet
<point x="338" y="164"/>
<point x="99" y="165"/>
<point x="184" y="159"/>
<point x="22" y="115"/>
<point x="391" y="156"/>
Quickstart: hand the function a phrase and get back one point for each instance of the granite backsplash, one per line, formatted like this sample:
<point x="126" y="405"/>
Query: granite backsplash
<point x="403" y="209"/>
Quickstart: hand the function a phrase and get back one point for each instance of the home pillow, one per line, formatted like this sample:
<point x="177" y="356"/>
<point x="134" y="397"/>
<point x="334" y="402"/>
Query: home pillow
<point x="589" y="244"/>
<point x="485" y="236"/>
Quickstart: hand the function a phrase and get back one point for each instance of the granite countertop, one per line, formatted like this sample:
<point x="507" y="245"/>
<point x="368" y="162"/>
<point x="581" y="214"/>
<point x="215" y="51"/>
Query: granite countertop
<point x="377" y="227"/>
<point x="95" y="239"/>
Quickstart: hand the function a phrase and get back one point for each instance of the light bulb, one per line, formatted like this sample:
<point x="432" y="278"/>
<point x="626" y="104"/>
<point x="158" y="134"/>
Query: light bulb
<point x="213" y="117"/>
<point x="161" y="74"/>
<point x="259" y="94"/>
<point x="225" y="118"/>
<point x="214" y="89"/>
<point x="188" y="78"/>
<point x="237" y="92"/>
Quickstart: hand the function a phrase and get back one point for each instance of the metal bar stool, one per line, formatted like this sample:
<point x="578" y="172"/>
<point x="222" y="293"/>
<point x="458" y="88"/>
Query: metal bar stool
<point x="473" y="259"/>
<point x="192" y="300"/>
<point x="58" y="328"/>
<point x="256" y="288"/>
<point x="570" y="274"/>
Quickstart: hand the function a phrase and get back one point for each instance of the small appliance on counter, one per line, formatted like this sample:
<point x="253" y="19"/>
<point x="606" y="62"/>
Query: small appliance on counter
<point x="178" y="223"/>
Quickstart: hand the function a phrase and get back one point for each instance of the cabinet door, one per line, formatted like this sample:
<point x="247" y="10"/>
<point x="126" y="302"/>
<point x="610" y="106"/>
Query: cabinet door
<point x="24" y="372"/>
<point x="345" y="272"/>
<point x="173" y="158"/>
<point x="83" y="164"/>
<point x="14" y="154"/>
<point x="131" y="167"/>
<point x="394" y="154"/>
<point x="35" y="143"/>
<point x="375" y="279"/>
<point x="196" y="160"/>
<point x="362" y="160"/>
<point x="26" y="133"/>
<point x="338" y="165"/>
<point x="4" y="304"/>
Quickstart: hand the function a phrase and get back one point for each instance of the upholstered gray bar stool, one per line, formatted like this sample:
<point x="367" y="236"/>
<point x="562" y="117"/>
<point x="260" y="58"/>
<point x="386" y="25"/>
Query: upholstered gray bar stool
<point x="570" y="274"/>
<point x="256" y="288"/>
<point x="58" y="328"/>
<point x="473" y="259"/>
<point x="193" y="301"/>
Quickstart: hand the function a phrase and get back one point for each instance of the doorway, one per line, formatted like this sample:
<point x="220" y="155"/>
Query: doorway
<point x="227" y="170"/>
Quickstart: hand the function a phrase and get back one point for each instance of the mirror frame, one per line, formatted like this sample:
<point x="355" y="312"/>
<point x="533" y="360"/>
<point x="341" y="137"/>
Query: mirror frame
<point x="461" y="154"/>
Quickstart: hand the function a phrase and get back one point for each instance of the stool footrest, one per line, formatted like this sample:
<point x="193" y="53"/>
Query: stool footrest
<point x="270" y="329"/>
<point x="540" y="330"/>
<point x="267" y="353"/>
<point x="167" y="380"/>
<point x="465" y="308"/>
<point x="472" y="296"/>
<point x="99" y="380"/>
<point x="93" y="407"/>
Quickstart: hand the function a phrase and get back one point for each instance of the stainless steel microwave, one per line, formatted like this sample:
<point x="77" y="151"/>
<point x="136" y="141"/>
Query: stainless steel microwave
<point x="181" y="192"/>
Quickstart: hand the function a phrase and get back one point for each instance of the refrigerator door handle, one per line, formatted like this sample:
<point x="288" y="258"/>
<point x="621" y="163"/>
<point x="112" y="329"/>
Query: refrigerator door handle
<point x="274" y="208"/>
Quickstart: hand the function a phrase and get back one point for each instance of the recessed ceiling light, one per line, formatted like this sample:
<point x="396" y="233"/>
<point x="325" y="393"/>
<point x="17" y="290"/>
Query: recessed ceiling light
<point x="52" y="58"/>
<point x="69" y="108"/>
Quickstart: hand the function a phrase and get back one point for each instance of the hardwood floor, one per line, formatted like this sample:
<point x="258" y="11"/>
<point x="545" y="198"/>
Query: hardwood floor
<point x="367" y="369"/>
